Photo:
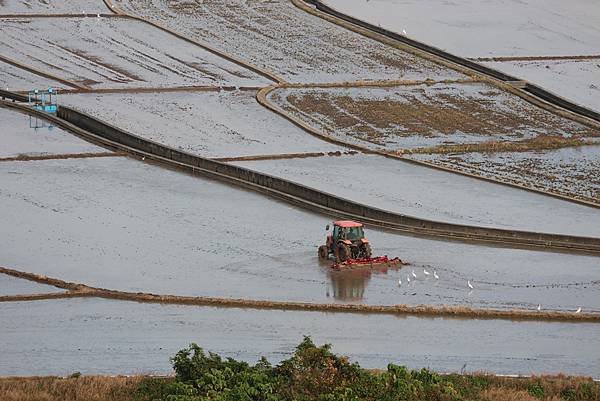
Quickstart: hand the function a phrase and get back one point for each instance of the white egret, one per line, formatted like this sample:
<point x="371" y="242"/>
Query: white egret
<point x="435" y="275"/>
<point x="578" y="310"/>
<point x="539" y="307"/>
<point x="413" y="274"/>
<point x="408" y="278"/>
<point x="469" y="284"/>
<point x="399" y="282"/>
<point x="404" y="32"/>
<point x="425" y="272"/>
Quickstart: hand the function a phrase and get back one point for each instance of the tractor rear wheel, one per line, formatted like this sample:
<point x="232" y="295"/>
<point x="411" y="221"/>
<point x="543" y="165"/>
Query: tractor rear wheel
<point x="323" y="252"/>
<point x="343" y="252"/>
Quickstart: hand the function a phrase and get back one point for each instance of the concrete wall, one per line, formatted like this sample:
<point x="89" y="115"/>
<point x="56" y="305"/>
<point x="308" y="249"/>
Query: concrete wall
<point x="322" y="202"/>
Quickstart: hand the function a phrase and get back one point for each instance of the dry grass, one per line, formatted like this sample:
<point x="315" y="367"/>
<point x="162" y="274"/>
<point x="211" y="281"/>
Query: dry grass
<point x="443" y="114"/>
<point x="541" y="142"/>
<point x="84" y="388"/>
<point x="476" y="387"/>
<point x="503" y="394"/>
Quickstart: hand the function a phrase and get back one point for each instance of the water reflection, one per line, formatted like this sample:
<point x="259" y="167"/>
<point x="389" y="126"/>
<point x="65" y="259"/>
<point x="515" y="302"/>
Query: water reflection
<point x="350" y="285"/>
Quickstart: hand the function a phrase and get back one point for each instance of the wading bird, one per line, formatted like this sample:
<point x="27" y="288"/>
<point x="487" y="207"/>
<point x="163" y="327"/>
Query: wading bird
<point x="469" y="284"/>
<point x="435" y="275"/>
<point x="578" y="310"/>
<point x="413" y="274"/>
<point x="539" y="307"/>
<point x="425" y="272"/>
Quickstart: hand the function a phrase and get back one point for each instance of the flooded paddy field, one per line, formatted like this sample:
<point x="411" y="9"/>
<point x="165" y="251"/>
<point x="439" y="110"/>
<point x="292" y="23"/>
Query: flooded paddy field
<point x="570" y="171"/>
<point x="17" y="79"/>
<point x="577" y="80"/>
<point x="116" y="53"/>
<point x="19" y="139"/>
<point x="210" y="124"/>
<point x="425" y="116"/>
<point x="52" y="7"/>
<point x="16" y="286"/>
<point x="437" y="195"/>
<point x="504" y="29"/>
<point x="120" y="224"/>
<point x="95" y="336"/>
<point x="495" y="28"/>
<point x="280" y="37"/>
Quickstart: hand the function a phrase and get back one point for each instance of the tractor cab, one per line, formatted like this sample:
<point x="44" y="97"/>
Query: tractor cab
<point x="347" y="241"/>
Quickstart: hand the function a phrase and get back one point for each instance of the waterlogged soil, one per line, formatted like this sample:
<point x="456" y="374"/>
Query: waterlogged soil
<point x="95" y="336"/>
<point x="472" y="28"/>
<point x="52" y="7"/>
<point x="116" y="53"/>
<point x="291" y="42"/>
<point x="502" y="28"/>
<point x="577" y="80"/>
<point x="16" y="286"/>
<point x="436" y="195"/>
<point x="120" y="224"/>
<point x="22" y="135"/>
<point x="211" y="124"/>
<point x="570" y="171"/>
<point x="16" y="79"/>
<point x="416" y="116"/>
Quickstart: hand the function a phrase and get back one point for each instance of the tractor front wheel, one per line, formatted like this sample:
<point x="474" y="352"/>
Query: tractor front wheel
<point x="323" y="253"/>
<point x="343" y="253"/>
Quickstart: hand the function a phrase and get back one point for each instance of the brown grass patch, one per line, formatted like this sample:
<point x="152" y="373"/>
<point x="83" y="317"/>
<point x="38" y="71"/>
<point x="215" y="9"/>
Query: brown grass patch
<point x="441" y="114"/>
<point x="84" y="388"/>
<point x="503" y="394"/>
<point x="541" y="142"/>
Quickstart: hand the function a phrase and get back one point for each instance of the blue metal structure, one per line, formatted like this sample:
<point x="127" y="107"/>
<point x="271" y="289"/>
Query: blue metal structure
<point x="42" y="100"/>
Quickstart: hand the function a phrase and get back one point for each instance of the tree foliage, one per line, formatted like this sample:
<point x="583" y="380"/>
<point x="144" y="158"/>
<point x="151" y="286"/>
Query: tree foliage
<point x="312" y="373"/>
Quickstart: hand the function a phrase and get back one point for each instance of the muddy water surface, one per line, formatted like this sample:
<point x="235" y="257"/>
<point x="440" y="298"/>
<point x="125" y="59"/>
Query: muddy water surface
<point x="121" y="224"/>
<point x="96" y="336"/>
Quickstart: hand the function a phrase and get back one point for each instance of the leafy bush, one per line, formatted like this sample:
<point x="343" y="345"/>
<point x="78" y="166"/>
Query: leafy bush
<point x="312" y="373"/>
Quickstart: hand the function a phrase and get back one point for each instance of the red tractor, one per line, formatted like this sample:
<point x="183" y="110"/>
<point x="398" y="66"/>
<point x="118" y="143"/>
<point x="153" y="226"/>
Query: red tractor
<point x="346" y="242"/>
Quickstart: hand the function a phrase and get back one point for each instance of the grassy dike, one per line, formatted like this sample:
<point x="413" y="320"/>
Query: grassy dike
<point x="312" y="373"/>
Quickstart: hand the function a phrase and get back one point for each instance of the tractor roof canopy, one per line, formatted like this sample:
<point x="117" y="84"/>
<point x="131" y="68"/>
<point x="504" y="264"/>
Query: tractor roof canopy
<point x="346" y="223"/>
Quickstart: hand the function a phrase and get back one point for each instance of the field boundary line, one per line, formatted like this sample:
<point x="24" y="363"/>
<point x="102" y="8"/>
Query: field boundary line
<point x="461" y="312"/>
<point x="60" y="156"/>
<point x="58" y="15"/>
<point x="282" y="156"/>
<point x="501" y="59"/>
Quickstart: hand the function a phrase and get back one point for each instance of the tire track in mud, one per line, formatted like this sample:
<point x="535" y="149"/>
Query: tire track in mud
<point x="43" y="73"/>
<point x="260" y="71"/>
<point x="76" y="290"/>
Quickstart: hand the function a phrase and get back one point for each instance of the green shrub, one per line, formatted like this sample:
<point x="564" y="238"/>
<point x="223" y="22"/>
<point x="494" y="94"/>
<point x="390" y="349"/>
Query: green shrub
<point x="536" y="391"/>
